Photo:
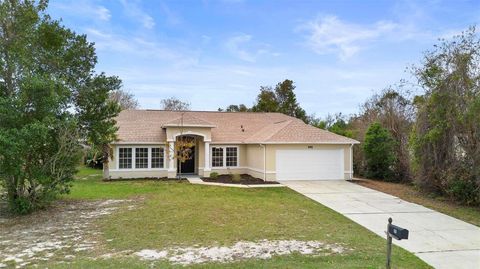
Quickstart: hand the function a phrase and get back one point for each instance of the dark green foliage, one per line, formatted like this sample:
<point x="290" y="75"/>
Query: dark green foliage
<point x="287" y="100"/>
<point x="213" y="175"/>
<point x="446" y="137"/>
<point x="45" y="71"/>
<point x="96" y="110"/>
<point x="237" y="108"/>
<point x="281" y="99"/>
<point x="379" y="155"/>
<point x="393" y="110"/>
<point x="337" y="124"/>
<point x="266" y="100"/>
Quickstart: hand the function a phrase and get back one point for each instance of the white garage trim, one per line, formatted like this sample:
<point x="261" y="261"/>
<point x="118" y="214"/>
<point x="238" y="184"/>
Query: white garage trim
<point x="310" y="164"/>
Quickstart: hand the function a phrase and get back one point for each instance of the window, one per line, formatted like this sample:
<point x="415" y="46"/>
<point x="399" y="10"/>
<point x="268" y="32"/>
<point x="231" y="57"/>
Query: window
<point x="157" y="157"/>
<point x="141" y="158"/>
<point x="125" y="158"/>
<point x="224" y="157"/>
<point x="217" y="157"/>
<point x="231" y="156"/>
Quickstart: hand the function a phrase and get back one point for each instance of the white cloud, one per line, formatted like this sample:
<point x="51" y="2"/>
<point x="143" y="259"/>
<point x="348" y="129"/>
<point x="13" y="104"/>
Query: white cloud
<point x="329" y="34"/>
<point x="133" y="10"/>
<point x="83" y="8"/>
<point x="234" y="45"/>
<point x="139" y="47"/>
<point x="242" y="47"/>
<point x="103" y="13"/>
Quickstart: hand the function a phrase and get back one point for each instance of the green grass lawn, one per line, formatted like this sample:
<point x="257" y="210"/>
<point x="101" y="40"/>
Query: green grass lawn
<point x="180" y="214"/>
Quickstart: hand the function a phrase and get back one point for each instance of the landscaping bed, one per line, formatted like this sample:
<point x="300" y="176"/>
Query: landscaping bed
<point x="146" y="178"/>
<point x="244" y="179"/>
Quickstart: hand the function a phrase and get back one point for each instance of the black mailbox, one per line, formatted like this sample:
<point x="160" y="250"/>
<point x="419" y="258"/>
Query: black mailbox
<point x="397" y="232"/>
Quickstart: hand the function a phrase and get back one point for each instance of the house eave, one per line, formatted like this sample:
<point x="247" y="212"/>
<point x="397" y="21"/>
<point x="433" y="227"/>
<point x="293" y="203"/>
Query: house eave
<point x="189" y="125"/>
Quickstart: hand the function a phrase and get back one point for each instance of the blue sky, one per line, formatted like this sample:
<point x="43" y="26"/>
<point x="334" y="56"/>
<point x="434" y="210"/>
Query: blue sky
<point x="215" y="53"/>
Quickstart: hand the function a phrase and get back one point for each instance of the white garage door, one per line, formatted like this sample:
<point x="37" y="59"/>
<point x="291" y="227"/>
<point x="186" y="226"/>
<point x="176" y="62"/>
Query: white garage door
<point x="310" y="164"/>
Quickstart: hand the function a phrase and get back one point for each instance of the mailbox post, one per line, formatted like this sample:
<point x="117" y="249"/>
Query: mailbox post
<point x="396" y="232"/>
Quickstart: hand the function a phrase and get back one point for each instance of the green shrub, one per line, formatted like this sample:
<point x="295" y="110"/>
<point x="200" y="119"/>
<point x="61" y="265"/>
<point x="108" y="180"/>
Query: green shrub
<point x="21" y="205"/>
<point x="461" y="186"/>
<point x="236" y="177"/>
<point x="379" y="152"/>
<point x="213" y="175"/>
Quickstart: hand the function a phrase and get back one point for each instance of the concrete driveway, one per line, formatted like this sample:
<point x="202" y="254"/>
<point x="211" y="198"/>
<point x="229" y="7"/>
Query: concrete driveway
<point x="438" y="239"/>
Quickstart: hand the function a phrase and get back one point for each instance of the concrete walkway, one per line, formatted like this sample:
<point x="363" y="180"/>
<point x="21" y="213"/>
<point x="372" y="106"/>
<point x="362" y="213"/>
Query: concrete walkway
<point x="438" y="239"/>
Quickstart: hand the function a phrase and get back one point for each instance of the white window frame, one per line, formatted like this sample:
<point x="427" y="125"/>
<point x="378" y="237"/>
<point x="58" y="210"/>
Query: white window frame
<point x="132" y="159"/>
<point x="212" y="157"/>
<point x="224" y="147"/>
<point x="117" y="154"/>
<point x="162" y="150"/>
<point x="148" y="157"/>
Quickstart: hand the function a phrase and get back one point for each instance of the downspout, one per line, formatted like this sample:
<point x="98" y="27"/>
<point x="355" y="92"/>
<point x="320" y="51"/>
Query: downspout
<point x="351" y="161"/>
<point x="264" y="161"/>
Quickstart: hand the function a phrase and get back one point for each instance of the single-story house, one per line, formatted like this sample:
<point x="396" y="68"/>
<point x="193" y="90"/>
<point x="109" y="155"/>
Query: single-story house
<point x="270" y="146"/>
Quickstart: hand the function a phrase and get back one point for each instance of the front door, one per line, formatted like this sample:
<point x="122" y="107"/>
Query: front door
<point x="188" y="167"/>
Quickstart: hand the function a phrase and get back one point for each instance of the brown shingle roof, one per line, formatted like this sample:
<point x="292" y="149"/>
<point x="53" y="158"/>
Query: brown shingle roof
<point x="187" y="119"/>
<point x="227" y="127"/>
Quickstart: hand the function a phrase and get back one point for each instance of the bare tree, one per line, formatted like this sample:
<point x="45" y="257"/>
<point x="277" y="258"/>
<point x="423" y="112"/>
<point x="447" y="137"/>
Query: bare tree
<point x="124" y="99"/>
<point x="174" y="103"/>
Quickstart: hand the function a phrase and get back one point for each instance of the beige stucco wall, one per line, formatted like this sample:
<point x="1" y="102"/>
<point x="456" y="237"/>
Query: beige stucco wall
<point x="254" y="156"/>
<point x="271" y="155"/>
<point x="119" y="174"/>
<point x="205" y="132"/>
<point x="251" y="160"/>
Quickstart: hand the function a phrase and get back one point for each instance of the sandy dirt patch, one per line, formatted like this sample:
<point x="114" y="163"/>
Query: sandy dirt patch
<point x="264" y="249"/>
<point x="58" y="233"/>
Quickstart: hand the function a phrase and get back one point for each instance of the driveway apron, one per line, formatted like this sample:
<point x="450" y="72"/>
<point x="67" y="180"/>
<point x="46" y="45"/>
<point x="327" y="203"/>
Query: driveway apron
<point x="440" y="240"/>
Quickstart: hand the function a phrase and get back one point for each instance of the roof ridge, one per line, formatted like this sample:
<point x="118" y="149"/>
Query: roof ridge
<point x="207" y="111"/>
<point x="190" y="117"/>
<point x="285" y="122"/>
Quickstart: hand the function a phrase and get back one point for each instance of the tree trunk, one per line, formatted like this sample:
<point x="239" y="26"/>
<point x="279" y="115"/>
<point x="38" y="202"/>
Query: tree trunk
<point x="106" y="172"/>
<point x="105" y="162"/>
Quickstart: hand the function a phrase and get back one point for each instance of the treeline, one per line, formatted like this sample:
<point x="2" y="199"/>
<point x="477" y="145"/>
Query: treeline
<point x="280" y="99"/>
<point x="431" y="139"/>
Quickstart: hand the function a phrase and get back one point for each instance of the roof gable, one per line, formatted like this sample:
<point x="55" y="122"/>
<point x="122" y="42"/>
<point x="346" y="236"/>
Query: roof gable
<point x="187" y="119"/>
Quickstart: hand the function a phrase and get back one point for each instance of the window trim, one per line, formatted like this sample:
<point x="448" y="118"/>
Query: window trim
<point x="160" y="157"/>
<point x="223" y="157"/>
<point x="117" y="155"/>
<point x="132" y="157"/>
<point x="142" y="157"/>
<point x="224" y="147"/>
